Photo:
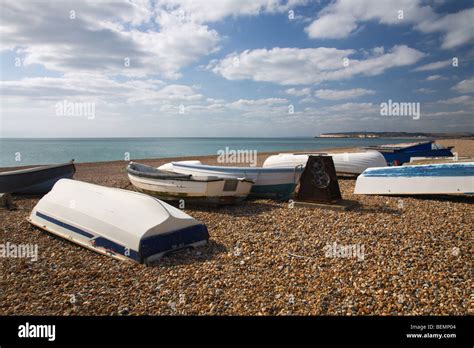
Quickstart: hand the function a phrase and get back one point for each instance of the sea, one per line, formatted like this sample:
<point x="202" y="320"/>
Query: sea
<point x="16" y="152"/>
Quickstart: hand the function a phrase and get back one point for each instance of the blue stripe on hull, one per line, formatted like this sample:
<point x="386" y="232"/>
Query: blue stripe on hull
<point x="173" y="240"/>
<point x="116" y="248"/>
<point x="280" y="191"/>
<point x="97" y="242"/>
<point x="454" y="170"/>
<point x="64" y="225"/>
<point x="405" y="156"/>
<point x="148" y="246"/>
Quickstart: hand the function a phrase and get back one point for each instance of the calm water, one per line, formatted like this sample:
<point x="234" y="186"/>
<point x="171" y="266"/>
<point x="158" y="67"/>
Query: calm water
<point x="19" y="152"/>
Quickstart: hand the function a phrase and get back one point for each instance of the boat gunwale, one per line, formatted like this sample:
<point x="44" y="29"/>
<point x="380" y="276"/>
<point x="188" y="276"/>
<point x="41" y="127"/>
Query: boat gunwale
<point x="37" y="169"/>
<point x="80" y="242"/>
<point x="395" y="169"/>
<point x="177" y="176"/>
<point x="235" y="169"/>
<point x="202" y="199"/>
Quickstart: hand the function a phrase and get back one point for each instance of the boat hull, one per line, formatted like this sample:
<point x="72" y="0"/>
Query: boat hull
<point x="122" y="224"/>
<point x="344" y="163"/>
<point x="274" y="183"/>
<point x="277" y="191"/>
<point x="205" y="192"/>
<point x="398" y="154"/>
<point x="417" y="180"/>
<point x="38" y="180"/>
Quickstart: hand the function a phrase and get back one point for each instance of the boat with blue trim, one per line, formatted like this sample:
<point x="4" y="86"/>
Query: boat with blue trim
<point x="171" y="186"/>
<point x="428" y="179"/>
<point x="398" y="154"/>
<point x="352" y="163"/>
<point x="275" y="183"/>
<point x="123" y="224"/>
<point x="36" y="180"/>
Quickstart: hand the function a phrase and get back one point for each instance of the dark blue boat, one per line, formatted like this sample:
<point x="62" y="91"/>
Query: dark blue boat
<point x="37" y="180"/>
<point x="397" y="154"/>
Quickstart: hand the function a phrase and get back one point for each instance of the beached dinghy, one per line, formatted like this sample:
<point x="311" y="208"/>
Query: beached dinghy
<point x="397" y="154"/>
<point x="37" y="180"/>
<point x="277" y="183"/>
<point x="200" y="189"/>
<point x="428" y="179"/>
<point x="345" y="163"/>
<point x="123" y="224"/>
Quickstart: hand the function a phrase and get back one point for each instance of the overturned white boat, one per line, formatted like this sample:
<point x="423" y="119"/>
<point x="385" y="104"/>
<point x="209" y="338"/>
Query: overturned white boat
<point x="345" y="163"/>
<point x="193" y="188"/>
<point x="123" y="224"/>
<point x="428" y="179"/>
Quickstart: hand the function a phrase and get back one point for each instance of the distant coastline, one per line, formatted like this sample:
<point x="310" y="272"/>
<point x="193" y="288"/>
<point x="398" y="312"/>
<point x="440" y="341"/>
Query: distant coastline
<point x="396" y="135"/>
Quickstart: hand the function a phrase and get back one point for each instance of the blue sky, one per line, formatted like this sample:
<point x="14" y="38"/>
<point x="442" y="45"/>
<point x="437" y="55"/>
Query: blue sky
<point x="234" y="68"/>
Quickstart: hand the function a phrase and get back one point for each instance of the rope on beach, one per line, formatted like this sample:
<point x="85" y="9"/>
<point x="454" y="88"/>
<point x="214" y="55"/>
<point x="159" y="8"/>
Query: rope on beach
<point x="300" y="256"/>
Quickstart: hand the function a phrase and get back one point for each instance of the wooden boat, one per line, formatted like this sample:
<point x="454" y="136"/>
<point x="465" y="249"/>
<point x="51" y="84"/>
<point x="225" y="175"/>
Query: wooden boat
<point x="428" y="179"/>
<point x="199" y="189"/>
<point x="123" y="224"/>
<point x="398" y="154"/>
<point x="345" y="163"/>
<point x="37" y="180"/>
<point x="276" y="183"/>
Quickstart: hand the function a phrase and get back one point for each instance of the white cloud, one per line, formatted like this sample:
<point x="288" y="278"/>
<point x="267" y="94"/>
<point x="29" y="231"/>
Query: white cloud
<point x="354" y="108"/>
<point x="424" y="90"/>
<point x="299" y="92"/>
<point x="463" y="99"/>
<point x="458" y="28"/>
<point x="245" y="104"/>
<point x="448" y="114"/>
<point x="300" y="66"/>
<point x="341" y="18"/>
<point x="103" y="37"/>
<point x="332" y="94"/>
<point x="435" y="77"/>
<point x="332" y="26"/>
<point x="158" y="38"/>
<point x="217" y="10"/>
<point x="308" y="100"/>
<point x="465" y="86"/>
<point x="434" y="65"/>
<point x="350" y="112"/>
<point x="45" y="92"/>
<point x="168" y="93"/>
<point x="97" y="87"/>
<point x="249" y="108"/>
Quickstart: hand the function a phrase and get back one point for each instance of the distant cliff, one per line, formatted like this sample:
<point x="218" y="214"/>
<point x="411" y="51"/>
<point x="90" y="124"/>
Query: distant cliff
<point x="394" y="135"/>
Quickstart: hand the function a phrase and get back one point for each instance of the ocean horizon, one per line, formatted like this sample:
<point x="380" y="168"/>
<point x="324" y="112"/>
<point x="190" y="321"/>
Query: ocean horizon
<point x="15" y="152"/>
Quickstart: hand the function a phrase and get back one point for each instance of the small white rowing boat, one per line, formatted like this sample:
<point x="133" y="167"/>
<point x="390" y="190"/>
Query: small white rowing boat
<point x="199" y="189"/>
<point x="276" y="183"/>
<point x="428" y="179"/>
<point x="345" y="163"/>
<point x="123" y="224"/>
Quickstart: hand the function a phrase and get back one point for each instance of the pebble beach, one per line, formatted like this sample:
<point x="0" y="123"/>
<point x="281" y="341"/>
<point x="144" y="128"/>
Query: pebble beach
<point x="264" y="257"/>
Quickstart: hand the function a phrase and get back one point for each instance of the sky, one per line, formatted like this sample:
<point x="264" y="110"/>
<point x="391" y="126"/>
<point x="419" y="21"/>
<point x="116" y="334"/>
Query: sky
<point x="243" y="68"/>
